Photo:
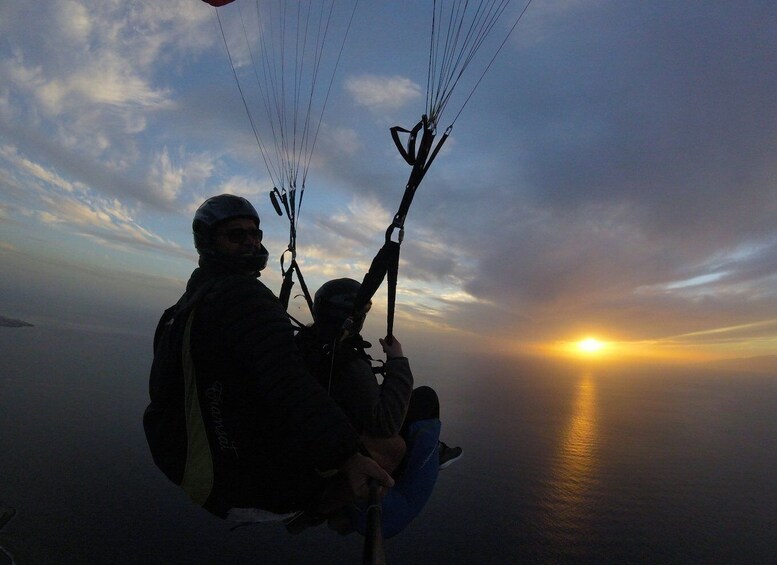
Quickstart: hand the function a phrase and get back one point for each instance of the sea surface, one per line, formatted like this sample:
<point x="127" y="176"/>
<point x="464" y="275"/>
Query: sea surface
<point x="562" y="463"/>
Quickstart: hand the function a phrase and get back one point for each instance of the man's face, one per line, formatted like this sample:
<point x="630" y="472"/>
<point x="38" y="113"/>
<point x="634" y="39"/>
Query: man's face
<point x="237" y="237"/>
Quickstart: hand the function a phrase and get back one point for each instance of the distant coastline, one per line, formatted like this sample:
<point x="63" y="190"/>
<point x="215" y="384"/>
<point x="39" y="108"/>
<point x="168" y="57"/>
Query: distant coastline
<point x="13" y="323"/>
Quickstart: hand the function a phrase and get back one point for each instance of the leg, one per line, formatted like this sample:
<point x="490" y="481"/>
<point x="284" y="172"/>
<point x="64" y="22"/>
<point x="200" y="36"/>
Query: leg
<point x="425" y="405"/>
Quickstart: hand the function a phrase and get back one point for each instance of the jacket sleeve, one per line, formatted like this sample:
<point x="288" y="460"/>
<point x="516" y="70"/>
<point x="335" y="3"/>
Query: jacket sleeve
<point x="380" y="409"/>
<point x="281" y="396"/>
<point x="395" y="394"/>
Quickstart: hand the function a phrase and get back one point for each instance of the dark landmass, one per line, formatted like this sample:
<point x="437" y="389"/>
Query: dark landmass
<point x="12" y="323"/>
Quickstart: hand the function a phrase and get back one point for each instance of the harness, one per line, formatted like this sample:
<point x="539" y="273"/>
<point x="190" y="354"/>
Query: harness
<point x="191" y="467"/>
<point x="277" y="198"/>
<point x="327" y="358"/>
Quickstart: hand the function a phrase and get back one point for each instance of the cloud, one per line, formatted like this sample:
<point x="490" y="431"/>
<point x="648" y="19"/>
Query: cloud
<point x="166" y="177"/>
<point x="112" y="80"/>
<point x="10" y="153"/>
<point x="93" y="66"/>
<point x="171" y="176"/>
<point x="634" y="157"/>
<point x="614" y="170"/>
<point x="73" y="206"/>
<point x="91" y="80"/>
<point x="74" y="21"/>
<point x="662" y="115"/>
<point x="362" y="220"/>
<point x="380" y="93"/>
<point x="345" y="140"/>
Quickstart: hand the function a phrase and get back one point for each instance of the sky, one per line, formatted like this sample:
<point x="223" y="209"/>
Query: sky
<point x="613" y="176"/>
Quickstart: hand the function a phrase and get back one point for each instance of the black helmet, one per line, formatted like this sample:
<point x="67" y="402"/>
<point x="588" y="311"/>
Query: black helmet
<point x="215" y="210"/>
<point x="218" y="209"/>
<point x="333" y="303"/>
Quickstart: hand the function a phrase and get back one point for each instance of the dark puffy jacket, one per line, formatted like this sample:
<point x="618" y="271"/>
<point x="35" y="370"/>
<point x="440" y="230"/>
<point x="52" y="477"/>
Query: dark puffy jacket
<point x="235" y="417"/>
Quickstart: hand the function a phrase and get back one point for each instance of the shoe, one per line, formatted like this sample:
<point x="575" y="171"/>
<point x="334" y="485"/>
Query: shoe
<point x="448" y="455"/>
<point x="302" y="521"/>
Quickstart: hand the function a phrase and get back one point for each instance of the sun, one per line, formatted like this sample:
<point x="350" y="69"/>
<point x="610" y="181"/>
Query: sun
<point x="588" y="348"/>
<point x="590" y="345"/>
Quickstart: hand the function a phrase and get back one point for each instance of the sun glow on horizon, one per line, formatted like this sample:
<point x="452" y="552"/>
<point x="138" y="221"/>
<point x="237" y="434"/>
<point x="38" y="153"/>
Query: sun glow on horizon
<point x="598" y="349"/>
<point x="590" y="345"/>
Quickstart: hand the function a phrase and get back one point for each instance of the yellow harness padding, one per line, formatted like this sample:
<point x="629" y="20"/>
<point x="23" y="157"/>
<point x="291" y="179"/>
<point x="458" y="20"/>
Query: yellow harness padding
<point x="198" y="473"/>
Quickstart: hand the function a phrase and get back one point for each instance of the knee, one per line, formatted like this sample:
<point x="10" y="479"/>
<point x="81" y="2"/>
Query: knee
<point x="426" y="395"/>
<point x="424" y="403"/>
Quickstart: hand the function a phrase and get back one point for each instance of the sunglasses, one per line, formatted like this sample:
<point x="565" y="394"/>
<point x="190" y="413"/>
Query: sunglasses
<point x="239" y="235"/>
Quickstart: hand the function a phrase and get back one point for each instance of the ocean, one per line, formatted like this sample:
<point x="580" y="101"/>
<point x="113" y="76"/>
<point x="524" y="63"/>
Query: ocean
<point x="563" y="463"/>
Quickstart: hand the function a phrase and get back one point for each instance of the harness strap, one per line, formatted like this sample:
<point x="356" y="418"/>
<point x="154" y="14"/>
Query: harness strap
<point x="407" y="154"/>
<point x="386" y="262"/>
<point x="386" y="259"/>
<point x="288" y="283"/>
<point x="279" y="198"/>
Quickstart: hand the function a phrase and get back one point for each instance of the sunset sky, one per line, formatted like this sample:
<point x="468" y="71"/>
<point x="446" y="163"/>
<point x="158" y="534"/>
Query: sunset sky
<point x="614" y="176"/>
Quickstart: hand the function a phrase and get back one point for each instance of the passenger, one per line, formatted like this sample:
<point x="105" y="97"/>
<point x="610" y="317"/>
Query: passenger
<point x="391" y="409"/>
<point x="344" y="368"/>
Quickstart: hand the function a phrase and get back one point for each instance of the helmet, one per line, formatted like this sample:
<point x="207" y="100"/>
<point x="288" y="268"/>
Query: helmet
<point x="333" y="303"/>
<point x="218" y="209"/>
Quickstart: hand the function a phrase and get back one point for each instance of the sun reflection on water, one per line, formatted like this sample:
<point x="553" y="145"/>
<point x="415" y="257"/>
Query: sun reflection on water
<point x="564" y="506"/>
